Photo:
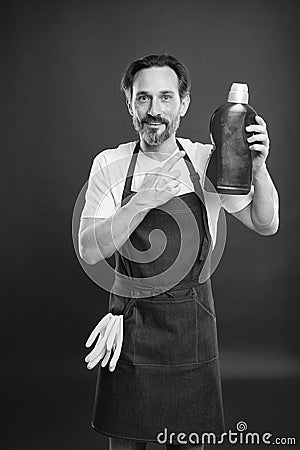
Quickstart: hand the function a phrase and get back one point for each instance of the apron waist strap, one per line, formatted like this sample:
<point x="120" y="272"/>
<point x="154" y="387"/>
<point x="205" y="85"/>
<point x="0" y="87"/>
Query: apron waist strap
<point x="131" y="288"/>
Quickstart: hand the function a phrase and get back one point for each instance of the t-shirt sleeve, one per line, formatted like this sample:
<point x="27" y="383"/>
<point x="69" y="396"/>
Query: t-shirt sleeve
<point x="99" y="200"/>
<point x="234" y="203"/>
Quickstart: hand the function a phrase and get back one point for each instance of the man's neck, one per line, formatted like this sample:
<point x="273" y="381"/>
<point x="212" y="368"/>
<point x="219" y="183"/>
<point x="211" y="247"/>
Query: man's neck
<point x="161" y="151"/>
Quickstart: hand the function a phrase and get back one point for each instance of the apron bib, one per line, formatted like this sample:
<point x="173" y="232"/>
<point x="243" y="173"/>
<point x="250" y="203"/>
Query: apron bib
<point x="167" y="375"/>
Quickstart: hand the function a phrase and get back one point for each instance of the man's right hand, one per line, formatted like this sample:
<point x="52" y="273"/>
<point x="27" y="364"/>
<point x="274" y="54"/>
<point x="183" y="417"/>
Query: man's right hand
<point x="160" y="185"/>
<point x="102" y="237"/>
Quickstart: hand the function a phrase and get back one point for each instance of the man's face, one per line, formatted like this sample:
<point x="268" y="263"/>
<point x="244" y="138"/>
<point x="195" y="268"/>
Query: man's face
<point x="155" y="105"/>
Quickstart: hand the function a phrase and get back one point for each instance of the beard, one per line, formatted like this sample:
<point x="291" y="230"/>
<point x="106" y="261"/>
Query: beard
<point x="151" y="135"/>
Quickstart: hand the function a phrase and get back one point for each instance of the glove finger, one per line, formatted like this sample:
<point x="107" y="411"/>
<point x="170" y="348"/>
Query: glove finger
<point x="112" y="334"/>
<point x="116" y="355"/>
<point x="106" y="358"/>
<point x="99" y="347"/>
<point x="97" y="329"/>
<point x="99" y="351"/>
<point x="93" y="363"/>
<point x="109" y="327"/>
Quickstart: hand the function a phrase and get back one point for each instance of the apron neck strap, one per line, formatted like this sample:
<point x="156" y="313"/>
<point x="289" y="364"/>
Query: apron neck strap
<point x="128" y="181"/>
<point x="194" y="176"/>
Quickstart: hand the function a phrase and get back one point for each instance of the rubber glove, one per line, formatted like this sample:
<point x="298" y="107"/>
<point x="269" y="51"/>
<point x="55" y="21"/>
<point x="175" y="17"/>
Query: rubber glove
<point x="110" y="331"/>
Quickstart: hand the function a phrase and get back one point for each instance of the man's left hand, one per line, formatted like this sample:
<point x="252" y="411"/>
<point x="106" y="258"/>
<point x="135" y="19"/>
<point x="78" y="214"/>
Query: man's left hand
<point x="260" y="149"/>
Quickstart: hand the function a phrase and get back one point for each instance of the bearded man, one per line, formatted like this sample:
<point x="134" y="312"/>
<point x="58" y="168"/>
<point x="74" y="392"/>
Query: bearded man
<point x="145" y="204"/>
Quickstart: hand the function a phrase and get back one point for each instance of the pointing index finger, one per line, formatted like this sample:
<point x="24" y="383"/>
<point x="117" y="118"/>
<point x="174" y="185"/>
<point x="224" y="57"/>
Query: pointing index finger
<point x="173" y="160"/>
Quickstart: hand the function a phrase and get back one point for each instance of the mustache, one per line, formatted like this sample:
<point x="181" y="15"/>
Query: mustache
<point x="157" y="119"/>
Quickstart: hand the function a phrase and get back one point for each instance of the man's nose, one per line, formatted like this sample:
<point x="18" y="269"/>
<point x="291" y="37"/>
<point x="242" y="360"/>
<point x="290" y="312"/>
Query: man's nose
<point x="154" y="109"/>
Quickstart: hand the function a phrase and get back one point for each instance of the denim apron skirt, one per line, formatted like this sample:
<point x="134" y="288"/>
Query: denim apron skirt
<point x="167" y="378"/>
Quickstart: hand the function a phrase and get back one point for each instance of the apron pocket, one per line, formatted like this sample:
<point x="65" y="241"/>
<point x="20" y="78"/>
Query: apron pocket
<point x="207" y="331"/>
<point x="166" y="332"/>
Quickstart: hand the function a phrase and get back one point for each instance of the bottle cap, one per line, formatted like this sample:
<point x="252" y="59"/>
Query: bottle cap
<point x="238" y="93"/>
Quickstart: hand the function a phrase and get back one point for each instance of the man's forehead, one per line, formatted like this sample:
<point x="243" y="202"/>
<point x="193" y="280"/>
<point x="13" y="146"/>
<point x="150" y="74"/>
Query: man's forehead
<point x="156" y="78"/>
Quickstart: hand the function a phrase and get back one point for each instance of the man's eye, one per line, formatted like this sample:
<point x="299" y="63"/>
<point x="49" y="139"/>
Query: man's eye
<point x="143" y="98"/>
<point x="166" y="97"/>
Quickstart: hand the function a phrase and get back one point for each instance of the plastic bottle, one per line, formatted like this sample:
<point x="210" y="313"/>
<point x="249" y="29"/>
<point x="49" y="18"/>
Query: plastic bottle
<point x="232" y="173"/>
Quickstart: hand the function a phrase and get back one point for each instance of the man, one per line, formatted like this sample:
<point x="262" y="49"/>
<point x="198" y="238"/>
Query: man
<point x="167" y="375"/>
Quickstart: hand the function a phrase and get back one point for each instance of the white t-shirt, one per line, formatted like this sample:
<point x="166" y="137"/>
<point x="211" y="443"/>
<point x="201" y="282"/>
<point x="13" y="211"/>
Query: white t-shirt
<point x="108" y="172"/>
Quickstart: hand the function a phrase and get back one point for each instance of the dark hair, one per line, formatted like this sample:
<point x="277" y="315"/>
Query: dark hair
<point x="184" y="79"/>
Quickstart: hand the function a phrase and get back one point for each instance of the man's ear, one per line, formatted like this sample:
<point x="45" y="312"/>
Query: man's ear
<point x="128" y="102"/>
<point x="185" y="103"/>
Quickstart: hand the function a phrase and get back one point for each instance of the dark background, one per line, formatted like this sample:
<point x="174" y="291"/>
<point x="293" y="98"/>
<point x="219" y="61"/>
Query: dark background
<point x="60" y="105"/>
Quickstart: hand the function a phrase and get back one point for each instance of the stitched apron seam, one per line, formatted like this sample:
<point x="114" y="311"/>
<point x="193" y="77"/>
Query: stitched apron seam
<point x="205" y="308"/>
<point x="196" y="319"/>
<point x="171" y="365"/>
<point x="167" y="301"/>
<point x="134" y="438"/>
<point x="119" y="435"/>
<point x="134" y="338"/>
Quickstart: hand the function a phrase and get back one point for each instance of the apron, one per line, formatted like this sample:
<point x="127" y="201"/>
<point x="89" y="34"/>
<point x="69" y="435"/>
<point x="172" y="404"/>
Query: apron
<point x="167" y="378"/>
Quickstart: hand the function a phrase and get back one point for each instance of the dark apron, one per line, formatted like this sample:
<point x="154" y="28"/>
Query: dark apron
<point x="167" y="376"/>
